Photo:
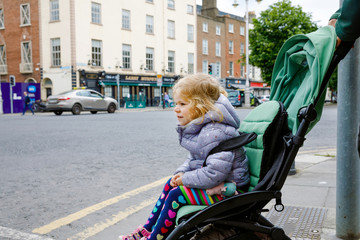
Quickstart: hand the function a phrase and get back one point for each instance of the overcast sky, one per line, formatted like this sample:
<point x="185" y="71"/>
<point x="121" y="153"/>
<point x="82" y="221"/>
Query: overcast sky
<point x="321" y="10"/>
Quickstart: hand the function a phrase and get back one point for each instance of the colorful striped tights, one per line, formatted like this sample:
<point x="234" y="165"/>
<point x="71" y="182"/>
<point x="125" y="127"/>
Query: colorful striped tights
<point x="162" y="219"/>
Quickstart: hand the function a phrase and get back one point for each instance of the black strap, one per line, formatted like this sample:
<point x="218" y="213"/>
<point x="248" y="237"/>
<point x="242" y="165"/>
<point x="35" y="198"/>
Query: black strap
<point x="233" y="143"/>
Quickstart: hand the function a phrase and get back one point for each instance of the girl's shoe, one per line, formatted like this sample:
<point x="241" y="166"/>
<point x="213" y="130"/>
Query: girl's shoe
<point x="139" y="233"/>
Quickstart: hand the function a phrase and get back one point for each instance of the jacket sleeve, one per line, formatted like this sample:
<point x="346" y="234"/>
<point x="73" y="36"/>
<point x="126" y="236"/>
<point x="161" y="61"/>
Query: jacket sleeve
<point x="218" y="167"/>
<point x="348" y="20"/>
<point x="185" y="167"/>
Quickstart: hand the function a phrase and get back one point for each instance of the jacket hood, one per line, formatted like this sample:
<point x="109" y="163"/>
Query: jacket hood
<point x="229" y="117"/>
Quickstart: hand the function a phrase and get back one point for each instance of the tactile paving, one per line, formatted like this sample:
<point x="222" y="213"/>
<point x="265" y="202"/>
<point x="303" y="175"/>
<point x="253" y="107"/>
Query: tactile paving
<point x="299" y="223"/>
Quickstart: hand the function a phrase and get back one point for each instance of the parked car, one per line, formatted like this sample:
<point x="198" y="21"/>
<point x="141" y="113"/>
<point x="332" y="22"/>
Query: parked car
<point x="80" y="100"/>
<point x="236" y="97"/>
<point x="264" y="98"/>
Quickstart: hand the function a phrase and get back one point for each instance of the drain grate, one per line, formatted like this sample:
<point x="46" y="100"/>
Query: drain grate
<point x="299" y="222"/>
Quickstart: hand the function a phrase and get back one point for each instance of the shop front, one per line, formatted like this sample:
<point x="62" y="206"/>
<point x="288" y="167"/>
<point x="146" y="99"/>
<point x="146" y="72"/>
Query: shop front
<point x="13" y="96"/>
<point x="257" y="88"/>
<point x="131" y="87"/>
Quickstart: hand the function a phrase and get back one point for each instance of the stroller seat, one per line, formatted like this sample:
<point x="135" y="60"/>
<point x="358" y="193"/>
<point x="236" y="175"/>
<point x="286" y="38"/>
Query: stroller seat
<point x="300" y="77"/>
<point x="267" y="122"/>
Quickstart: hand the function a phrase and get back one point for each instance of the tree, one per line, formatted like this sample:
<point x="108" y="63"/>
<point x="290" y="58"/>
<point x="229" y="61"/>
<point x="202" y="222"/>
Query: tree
<point x="274" y="26"/>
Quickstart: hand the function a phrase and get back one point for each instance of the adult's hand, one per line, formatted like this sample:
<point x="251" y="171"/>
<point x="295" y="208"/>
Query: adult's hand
<point x="332" y="22"/>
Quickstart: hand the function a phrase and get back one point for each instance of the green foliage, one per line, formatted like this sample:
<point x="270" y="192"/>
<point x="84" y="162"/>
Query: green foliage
<point x="274" y="26"/>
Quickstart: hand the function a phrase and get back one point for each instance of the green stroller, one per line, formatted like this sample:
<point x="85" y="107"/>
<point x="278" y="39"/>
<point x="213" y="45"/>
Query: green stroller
<point x="272" y="134"/>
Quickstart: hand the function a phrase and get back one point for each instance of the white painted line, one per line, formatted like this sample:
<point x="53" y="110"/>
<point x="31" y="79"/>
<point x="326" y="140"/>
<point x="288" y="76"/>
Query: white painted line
<point x="99" y="227"/>
<point x="17" y="235"/>
<point x="84" y="212"/>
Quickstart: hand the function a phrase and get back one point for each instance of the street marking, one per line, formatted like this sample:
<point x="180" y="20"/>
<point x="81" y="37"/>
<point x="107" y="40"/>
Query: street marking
<point x="99" y="227"/>
<point x="10" y="233"/>
<point x="317" y="150"/>
<point x="84" y="212"/>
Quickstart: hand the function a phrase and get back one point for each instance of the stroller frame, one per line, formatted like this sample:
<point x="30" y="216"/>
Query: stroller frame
<point x="243" y="212"/>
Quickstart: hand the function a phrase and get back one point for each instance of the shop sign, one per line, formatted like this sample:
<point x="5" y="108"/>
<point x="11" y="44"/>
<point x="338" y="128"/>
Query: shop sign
<point x="92" y="76"/>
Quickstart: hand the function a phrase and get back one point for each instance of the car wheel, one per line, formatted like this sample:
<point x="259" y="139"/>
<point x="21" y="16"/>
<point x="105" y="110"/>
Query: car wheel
<point x="58" y="112"/>
<point x="93" y="112"/>
<point x="111" y="108"/>
<point x="76" y="109"/>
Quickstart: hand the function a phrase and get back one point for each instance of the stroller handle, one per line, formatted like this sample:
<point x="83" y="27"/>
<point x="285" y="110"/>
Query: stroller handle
<point x="343" y="49"/>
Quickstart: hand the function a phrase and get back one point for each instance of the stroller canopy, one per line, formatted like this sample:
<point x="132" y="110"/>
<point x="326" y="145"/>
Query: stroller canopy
<point x="299" y="71"/>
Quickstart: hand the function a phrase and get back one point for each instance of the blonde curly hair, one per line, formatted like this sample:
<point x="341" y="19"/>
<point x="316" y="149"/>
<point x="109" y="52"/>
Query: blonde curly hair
<point x="201" y="91"/>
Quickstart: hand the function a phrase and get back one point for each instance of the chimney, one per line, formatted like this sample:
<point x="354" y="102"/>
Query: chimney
<point x="209" y="8"/>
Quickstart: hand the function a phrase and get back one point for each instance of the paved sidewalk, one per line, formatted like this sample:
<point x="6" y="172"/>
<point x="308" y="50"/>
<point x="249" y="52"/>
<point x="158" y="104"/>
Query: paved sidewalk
<point x="309" y="197"/>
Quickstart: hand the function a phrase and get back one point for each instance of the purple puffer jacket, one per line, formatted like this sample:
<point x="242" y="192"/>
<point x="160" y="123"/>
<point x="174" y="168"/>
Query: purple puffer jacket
<point x="199" y="137"/>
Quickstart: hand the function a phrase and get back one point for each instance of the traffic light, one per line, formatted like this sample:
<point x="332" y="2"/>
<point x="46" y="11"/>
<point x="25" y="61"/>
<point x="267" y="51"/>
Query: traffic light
<point x="210" y="69"/>
<point x="12" y="80"/>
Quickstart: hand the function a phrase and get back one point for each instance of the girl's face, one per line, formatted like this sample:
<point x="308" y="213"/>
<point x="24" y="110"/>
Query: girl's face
<point x="184" y="111"/>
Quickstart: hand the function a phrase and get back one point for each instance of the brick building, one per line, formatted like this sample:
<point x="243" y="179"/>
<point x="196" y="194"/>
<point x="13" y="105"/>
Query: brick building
<point x="221" y="41"/>
<point x="19" y="40"/>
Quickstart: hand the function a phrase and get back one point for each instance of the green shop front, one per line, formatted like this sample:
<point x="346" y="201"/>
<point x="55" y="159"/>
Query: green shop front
<point x="134" y="90"/>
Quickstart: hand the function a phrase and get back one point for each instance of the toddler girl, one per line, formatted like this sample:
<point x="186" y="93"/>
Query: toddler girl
<point x="205" y="118"/>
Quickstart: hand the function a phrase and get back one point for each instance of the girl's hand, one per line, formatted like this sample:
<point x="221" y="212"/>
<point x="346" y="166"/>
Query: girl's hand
<point x="179" y="180"/>
<point x="174" y="179"/>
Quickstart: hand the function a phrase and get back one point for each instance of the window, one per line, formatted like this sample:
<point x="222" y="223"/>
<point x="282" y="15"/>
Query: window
<point x="25" y="14"/>
<point x="149" y="24"/>
<point x="126" y="91"/>
<point x="231" y="68"/>
<point x="190" y="9"/>
<point x="125" y="19"/>
<point x="26" y="52"/>
<point x="242" y="30"/>
<point x="150" y="1"/>
<point x="2" y="25"/>
<point x="242" y="70"/>
<point x="156" y="92"/>
<point x="217" y="70"/>
<point x="55" y="52"/>
<point x="3" y="65"/>
<point x="190" y="63"/>
<point x="54" y="10"/>
<point x="171" y="4"/>
<point x="218" y="49"/>
<point x="126" y="56"/>
<point x="190" y="33"/>
<point x="96" y="52"/>
<point x="149" y="59"/>
<point x="205" y="66"/>
<point x="108" y="90"/>
<point x="218" y="30"/>
<point x="171" y="61"/>
<point x="205" y="27"/>
<point x="95" y="13"/>
<point x="205" y="46"/>
<point x="26" y="57"/>
<point x="242" y="51"/>
<point x="231" y="47"/>
<point x="231" y="27"/>
<point x="2" y="55"/>
<point x="171" y="29"/>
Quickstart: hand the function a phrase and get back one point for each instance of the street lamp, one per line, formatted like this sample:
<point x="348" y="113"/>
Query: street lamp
<point x="247" y="83"/>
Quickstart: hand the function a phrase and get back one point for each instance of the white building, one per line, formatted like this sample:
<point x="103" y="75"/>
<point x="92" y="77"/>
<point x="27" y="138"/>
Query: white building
<point x="91" y="43"/>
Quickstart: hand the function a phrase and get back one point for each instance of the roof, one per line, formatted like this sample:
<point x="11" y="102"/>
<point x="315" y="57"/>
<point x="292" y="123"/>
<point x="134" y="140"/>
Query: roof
<point x="221" y="14"/>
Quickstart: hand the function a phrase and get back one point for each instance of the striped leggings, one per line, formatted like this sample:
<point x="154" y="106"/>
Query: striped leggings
<point x="162" y="219"/>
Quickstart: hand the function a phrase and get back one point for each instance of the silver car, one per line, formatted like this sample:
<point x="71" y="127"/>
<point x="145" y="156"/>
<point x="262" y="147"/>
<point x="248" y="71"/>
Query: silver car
<point x="80" y="100"/>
